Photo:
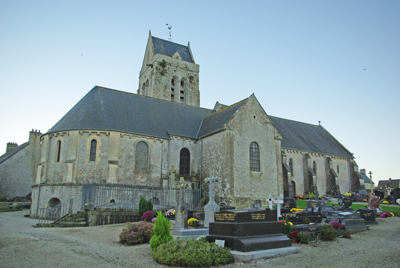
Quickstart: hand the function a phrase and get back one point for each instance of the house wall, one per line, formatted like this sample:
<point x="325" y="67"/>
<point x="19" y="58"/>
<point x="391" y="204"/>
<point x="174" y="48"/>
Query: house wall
<point x="17" y="173"/>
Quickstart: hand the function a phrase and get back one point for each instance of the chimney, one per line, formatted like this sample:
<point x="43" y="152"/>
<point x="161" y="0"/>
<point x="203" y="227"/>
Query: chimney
<point x="362" y="171"/>
<point x="33" y="135"/>
<point x="11" y="145"/>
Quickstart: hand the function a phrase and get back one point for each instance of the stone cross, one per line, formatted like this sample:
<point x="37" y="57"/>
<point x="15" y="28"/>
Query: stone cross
<point x="181" y="211"/>
<point x="211" y="207"/>
<point x="172" y="194"/>
<point x="270" y="206"/>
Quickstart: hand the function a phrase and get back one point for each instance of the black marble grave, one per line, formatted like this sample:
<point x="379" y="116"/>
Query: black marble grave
<point x="302" y="217"/>
<point x="289" y="202"/>
<point x="248" y="230"/>
<point x="368" y="215"/>
<point x="313" y="229"/>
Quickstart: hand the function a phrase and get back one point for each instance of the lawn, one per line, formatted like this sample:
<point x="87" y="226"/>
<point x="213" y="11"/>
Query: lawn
<point x="393" y="209"/>
<point x="8" y="210"/>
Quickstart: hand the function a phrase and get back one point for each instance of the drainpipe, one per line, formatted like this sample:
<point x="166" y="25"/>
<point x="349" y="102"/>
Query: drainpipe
<point x="45" y="181"/>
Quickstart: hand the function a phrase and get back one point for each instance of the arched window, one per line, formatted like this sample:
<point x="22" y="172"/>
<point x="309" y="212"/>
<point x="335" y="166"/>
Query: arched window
<point x="173" y="89"/>
<point x="337" y="168"/>
<point x="141" y="156"/>
<point x="314" y="167"/>
<point x="184" y="162"/>
<point x="254" y="157"/>
<point x="58" y="151"/>
<point x="93" y="147"/>
<point x="291" y="166"/>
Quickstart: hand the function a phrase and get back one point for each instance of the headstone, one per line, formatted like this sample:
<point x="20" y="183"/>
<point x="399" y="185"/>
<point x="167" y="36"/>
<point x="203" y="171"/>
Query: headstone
<point x="368" y="215"/>
<point x="211" y="207"/>
<point x="256" y="204"/>
<point x="289" y="202"/>
<point x="315" y="205"/>
<point x="373" y="204"/>
<point x="248" y="230"/>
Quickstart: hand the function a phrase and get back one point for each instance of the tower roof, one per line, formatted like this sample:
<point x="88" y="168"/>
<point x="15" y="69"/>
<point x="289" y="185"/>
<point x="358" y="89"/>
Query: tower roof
<point x="169" y="48"/>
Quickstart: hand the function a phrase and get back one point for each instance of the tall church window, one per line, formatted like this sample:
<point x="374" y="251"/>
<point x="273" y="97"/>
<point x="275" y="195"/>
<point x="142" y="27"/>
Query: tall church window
<point x="184" y="162"/>
<point x="173" y="81"/>
<point x="337" y="168"/>
<point x="58" y="151"/>
<point x="93" y="148"/>
<point x="141" y="156"/>
<point x="314" y="167"/>
<point x="254" y="157"/>
<point x="291" y="166"/>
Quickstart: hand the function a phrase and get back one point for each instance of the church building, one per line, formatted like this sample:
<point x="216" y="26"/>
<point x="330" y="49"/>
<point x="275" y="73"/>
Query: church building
<point x="117" y="137"/>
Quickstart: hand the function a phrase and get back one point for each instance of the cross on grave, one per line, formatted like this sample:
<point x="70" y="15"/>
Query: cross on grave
<point x="279" y="202"/>
<point x="211" y="207"/>
<point x="172" y="194"/>
<point x="181" y="214"/>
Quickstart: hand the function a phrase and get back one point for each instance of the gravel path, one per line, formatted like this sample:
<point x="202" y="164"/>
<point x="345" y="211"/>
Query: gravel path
<point x="21" y="245"/>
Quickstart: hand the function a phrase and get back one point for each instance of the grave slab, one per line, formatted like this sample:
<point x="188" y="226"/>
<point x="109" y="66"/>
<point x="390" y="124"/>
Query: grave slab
<point x="264" y="254"/>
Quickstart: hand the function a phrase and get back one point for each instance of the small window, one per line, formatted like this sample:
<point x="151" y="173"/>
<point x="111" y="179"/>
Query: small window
<point x="93" y="147"/>
<point x="314" y="167"/>
<point x="141" y="156"/>
<point x="184" y="163"/>
<point x="254" y="157"/>
<point x="291" y="167"/>
<point x="58" y="151"/>
<point x="337" y="168"/>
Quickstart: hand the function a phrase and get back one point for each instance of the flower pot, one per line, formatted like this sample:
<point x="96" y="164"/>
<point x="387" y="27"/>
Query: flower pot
<point x="192" y="227"/>
<point x="294" y="241"/>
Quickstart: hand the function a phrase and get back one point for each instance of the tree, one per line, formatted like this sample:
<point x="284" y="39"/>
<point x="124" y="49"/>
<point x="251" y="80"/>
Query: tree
<point x="162" y="232"/>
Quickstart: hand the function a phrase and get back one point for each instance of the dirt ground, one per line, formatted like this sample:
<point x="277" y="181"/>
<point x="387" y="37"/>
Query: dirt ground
<point x="21" y="245"/>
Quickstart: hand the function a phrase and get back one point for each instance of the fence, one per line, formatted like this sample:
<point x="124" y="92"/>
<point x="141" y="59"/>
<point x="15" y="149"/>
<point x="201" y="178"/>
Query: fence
<point x="51" y="214"/>
<point x="118" y="197"/>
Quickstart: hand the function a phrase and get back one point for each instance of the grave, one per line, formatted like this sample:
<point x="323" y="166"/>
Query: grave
<point x="352" y="221"/>
<point x="368" y="215"/>
<point x="181" y="212"/>
<point x="373" y="204"/>
<point x="247" y="230"/>
<point x="289" y="202"/>
<point x="211" y="207"/>
<point x="313" y="229"/>
<point x="315" y="205"/>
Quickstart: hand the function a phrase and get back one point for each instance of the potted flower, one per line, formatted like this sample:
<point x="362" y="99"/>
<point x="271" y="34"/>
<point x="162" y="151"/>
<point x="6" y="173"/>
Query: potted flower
<point x="338" y="227"/>
<point x="192" y="222"/>
<point x="170" y="214"/>
<point x="294" y="236"/>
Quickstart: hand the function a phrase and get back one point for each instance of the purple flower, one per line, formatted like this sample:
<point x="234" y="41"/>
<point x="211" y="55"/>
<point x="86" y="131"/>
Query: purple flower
<point x="153" y="220"/>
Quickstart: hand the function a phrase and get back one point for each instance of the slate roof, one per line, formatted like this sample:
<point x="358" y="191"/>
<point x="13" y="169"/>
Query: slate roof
<point x="365" y="177"/>
<point x="386" y="183"/>
<point x="169" y="48"/>
<point x="12" y="152"/>
<point x="216" y="121"/>
<point x="309" y="138"/>
<point x="112" y="110"/>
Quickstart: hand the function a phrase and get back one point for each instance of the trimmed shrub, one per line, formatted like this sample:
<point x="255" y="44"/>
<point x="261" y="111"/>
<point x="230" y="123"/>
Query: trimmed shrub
<point x="136" y="233"/>
<point x="328" y="233"/>
<point x="192" y="253"/>
<point x="148" y="215"/>
<point x="162" y="231"/>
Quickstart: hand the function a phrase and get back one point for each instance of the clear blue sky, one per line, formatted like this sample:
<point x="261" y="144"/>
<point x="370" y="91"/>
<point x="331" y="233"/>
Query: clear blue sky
<point x="337" y="62"/>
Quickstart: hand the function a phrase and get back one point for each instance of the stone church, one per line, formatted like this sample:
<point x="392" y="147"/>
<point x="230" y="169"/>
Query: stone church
<point x="111" y="136"/>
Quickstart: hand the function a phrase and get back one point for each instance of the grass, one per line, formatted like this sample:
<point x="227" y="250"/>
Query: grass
<point x="9" y="210"/>
<point x="394" y="210"/>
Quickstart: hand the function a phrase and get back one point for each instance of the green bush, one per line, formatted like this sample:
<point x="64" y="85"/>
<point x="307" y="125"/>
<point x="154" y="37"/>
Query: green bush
<point x="192" y="253"/>
<point x="328" y="233"/>
<point x="145" y="205"/>
<point x="136" y="233"/>
<point x="162" y="231"/>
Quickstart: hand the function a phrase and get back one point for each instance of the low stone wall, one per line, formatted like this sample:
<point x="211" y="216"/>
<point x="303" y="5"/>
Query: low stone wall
<point x="96" y="218"/>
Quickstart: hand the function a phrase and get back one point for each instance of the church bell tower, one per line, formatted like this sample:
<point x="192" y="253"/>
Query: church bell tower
<point x="169" y="72"/>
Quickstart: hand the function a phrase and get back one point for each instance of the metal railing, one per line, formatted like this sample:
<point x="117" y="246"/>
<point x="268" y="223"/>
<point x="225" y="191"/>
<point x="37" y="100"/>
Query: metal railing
<point x="51" y="214"/>
<point x="119" y="197"/>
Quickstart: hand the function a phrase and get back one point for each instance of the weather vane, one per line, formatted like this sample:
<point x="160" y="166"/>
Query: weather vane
<point x="169" y="28"/>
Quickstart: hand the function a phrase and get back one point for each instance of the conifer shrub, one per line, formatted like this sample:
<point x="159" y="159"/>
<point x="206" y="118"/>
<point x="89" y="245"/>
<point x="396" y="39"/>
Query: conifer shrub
<point x="145" y="205"/>
<point x="162" y="231"/>
<point x="191" y="253"/>
<point x="328" y="233"/>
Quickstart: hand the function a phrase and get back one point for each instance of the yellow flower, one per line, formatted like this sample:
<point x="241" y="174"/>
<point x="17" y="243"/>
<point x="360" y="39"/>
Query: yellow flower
<point x="385" y="202"/>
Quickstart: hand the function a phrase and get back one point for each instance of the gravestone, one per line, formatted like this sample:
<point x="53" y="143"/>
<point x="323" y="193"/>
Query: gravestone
<point x="315" y="205"/>
<point x="352" y="220"/>
<point x="373" y="204"/>
<point x="256" y="204"/>
<point x="289" y="202"/>
<point x="313" y="229"/>
<point x="368" y="215"/>
<point x="211" y="207"/>
<point x="278" y="202"/>
<point x="248" y="230"/>
<point x="181" y="212"/>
